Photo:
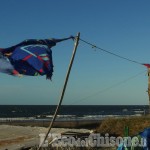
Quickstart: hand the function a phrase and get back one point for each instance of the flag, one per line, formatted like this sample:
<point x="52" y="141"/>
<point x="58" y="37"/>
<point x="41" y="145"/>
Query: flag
<point x="147" y="65"/>
<point x="30" y="57"/>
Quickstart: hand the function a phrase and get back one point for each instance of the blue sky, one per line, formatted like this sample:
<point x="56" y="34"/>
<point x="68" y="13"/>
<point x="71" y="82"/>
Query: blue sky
<point x="122" y="27"/>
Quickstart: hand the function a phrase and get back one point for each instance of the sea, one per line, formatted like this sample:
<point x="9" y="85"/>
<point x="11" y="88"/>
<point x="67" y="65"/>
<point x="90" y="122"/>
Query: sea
<point x="72" y="112"/>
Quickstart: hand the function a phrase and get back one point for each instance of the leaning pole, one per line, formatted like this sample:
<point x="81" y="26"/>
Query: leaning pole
<point x="63" y="90"/>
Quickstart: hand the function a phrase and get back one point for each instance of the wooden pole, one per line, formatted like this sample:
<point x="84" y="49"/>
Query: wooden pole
<point x="64" y="88"/>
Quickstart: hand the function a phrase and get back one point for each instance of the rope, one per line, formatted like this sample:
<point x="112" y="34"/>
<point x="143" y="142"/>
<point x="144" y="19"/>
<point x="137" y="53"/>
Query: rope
<point x="94" y="46"/>
<point x="108" y="88"/>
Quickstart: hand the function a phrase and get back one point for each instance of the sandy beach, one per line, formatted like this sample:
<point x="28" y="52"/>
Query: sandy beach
<point x="17" y="137"/>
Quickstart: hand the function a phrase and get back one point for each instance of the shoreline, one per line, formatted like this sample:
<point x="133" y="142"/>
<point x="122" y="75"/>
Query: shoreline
<point x="88" y="124"/>
<point x="27" y="135"/>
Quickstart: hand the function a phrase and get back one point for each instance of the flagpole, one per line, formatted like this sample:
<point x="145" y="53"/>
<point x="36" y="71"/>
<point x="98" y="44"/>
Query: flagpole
<point x="64" y="88"/>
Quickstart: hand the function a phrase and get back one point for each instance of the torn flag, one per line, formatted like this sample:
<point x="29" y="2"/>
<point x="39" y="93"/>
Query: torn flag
<point x="31" y="57"/>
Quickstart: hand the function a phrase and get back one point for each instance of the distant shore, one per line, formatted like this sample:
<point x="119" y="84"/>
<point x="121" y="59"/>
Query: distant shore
<point x="57" y="124"/>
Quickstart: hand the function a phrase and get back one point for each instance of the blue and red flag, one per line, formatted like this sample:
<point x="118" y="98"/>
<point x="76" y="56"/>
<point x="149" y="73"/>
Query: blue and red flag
<point x="31" y="57"/>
